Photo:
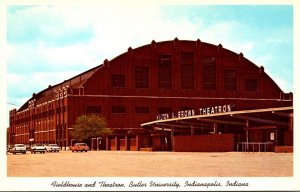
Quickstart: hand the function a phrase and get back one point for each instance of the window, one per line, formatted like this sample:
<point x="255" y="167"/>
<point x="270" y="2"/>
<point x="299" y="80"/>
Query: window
<point x="230" y="80"/>
<point x="163" y="110"/>
<point x="93" y="109"/>
<point x="187" y="70"/>
<point x="142" y="110"/>
<point x="141" y="77"/>
<point x="118" y="109"/>
<point x="209" y="73"/>
<point x="165" y="71"/>
<point x="251" y="84"/>
<point x="117" y="80"/>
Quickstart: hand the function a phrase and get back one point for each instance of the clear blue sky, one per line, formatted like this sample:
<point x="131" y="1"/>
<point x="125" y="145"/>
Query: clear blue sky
<point x="50" y="43"/>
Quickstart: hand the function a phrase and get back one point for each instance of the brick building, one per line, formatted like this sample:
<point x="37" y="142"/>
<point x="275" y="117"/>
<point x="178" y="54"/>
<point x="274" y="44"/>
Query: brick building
<point x="150" y="84"/>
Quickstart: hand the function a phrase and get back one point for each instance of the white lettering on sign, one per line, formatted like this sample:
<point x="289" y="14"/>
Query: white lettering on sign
<point x="186" y="113"/>
<point x="162" y="116"/>
<point x="192" y="112"/>
<point x="214" y="110"/>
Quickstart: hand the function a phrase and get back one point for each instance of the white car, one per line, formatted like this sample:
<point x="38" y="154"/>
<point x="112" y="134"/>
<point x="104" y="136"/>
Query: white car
<point x="19" y="148"/>
<point x="52" y="148"/>
<point x="38" y="147"/>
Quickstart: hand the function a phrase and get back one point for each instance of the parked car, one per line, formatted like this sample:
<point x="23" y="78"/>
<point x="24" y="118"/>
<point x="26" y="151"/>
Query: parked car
<point x="38" y="147"/>
<point x="80" y="147"/>
<point x="18" y="148"/>
<point x="52" y="148"/>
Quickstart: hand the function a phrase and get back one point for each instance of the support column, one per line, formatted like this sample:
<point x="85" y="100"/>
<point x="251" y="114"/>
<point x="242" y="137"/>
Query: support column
<point x="247" y="135"/>
<point x="138" y="142"/>
<point x="215" y="128"/>
<point x="291" y="124"/>
<point x="172" y="138"/>
<point x="126" y="142"/>
<point x="192" y="130"/>
<point x="93" y="144"/>
<point x="107" y="143"/>
<point x="97" y="144"/>
<point x="116" y="143"/>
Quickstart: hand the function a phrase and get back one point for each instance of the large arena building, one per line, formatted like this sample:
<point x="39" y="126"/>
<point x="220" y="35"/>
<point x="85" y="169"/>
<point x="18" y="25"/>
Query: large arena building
<point x="173" y="95"/>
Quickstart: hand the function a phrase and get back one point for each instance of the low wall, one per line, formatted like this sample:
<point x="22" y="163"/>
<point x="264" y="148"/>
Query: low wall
<point x="112" y="145"/>
<point x="283" y="149"/>
<point x="288" y="138"/>
<point x="204" y="143"/>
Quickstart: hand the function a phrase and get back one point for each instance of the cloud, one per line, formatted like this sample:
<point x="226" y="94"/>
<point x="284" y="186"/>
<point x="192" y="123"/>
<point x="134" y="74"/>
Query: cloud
<point x="47" y="44"/>
<point x="45" y="23"/>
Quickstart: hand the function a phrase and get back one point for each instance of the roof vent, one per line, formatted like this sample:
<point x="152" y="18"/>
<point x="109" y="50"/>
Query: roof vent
<point x="261" y="69"/>
<point x="153" y="44"/>
<point x="129" y="49"/>
<point x="198" y="43"/>
<point x="176" y="41"/>
<point x="241" y="56"/>
<point x="220" y="47"/>
<point x="106" y="63"/>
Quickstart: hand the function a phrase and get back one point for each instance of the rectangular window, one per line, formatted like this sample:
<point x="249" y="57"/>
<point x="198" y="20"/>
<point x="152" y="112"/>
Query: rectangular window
<point x="163" y="110"/>
<point x="187" y="70"/>
<point x="118" y="109"/>
<point x="251" y="84"/>
<point x="93" y="109"/>
<point x="165" y="71"/>
<point x="141" y="77"/>
<point x="117" y="80"/>
<point x="209" y="73"/>
<point x="230" y="80"/>
<point x="142" y="110"/>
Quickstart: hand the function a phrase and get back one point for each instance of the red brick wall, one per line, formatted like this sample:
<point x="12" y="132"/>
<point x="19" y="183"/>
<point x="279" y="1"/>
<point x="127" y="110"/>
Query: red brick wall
<point x="288" y="138"/>
<point x="132" y="144"/>
<point x="112" y="145"/>
<point x="122" y="145"/>
<point x="204" y="143"/>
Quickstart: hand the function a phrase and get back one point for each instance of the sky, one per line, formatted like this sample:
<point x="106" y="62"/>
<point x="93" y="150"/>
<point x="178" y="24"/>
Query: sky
<point x="49" y="43"/>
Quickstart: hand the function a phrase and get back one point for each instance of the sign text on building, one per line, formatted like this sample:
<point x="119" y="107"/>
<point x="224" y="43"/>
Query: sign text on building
<point x="192" y="112"/>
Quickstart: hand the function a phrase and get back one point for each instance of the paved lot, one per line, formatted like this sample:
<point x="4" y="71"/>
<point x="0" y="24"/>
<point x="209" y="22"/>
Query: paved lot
<point x="149" y="164"/>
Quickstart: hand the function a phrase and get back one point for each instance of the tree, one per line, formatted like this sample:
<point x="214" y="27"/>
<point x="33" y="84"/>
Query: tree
<point x="87" y="127"/>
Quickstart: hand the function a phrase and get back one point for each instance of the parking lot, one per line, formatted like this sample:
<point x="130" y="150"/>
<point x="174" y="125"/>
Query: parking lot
<point x="149" y="164"/>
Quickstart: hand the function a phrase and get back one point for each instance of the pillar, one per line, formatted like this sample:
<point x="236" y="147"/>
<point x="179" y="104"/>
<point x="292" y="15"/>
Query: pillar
<point x="116" y="143"/>
<point x="192" y="130"/>
<point x="138" y="141"/>
<point x="107" y="144"/>
<point x="126" y="143"/>
<point x="172" y="138"/>
<point x="215" y="128"/>
<point x="247" y="135"/>
<point x="291" y="123"/>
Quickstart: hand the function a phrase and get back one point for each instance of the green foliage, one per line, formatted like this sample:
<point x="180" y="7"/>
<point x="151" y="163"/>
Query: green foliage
<point x="89" y="126"/>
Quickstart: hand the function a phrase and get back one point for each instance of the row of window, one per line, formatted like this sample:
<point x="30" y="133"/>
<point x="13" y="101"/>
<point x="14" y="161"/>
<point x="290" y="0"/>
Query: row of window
<point x="122" y="109"/>
<point x="187" y="75"/>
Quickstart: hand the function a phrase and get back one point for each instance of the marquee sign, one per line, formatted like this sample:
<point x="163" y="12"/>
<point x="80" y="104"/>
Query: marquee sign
<point x="199" y="111"/>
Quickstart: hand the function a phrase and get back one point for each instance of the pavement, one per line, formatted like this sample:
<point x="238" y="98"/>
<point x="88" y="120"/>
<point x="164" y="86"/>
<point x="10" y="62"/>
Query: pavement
<point x="150" y="164"/>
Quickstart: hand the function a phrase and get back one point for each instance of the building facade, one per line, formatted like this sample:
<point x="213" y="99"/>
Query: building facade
<point x="144" y="84"/>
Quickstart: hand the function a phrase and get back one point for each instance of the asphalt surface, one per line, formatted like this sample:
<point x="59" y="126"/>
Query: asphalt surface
<point x="150" y="164"/>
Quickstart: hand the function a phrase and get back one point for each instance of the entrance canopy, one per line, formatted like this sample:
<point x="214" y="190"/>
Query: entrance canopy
<point x="267" y="118"/>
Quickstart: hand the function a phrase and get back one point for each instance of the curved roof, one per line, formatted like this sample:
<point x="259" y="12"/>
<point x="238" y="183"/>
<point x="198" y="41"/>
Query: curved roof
<point x="81" y="79"/>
